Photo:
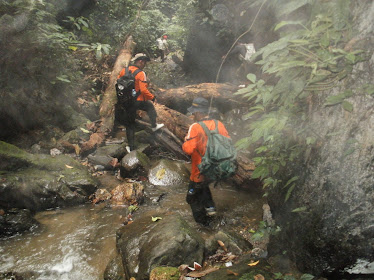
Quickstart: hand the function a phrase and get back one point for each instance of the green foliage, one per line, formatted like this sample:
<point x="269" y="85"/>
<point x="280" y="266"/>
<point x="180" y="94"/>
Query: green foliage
<point x="305" y="61"/>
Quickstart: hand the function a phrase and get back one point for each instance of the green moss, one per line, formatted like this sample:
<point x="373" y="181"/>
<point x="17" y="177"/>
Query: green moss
<point x="9" y="150"/>
<point x="144" y="160"/>
<point x="165" y="273"/>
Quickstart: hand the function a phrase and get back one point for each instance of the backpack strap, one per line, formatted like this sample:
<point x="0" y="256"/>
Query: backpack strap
<point x="136" y="72"/>
<point x="206" y="129"/>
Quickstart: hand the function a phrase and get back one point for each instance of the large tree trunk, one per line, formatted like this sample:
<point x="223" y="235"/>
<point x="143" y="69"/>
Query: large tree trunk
<point x="110" y="99"/>
<point x="178" y="124"/>
<point x="180" y="99"/>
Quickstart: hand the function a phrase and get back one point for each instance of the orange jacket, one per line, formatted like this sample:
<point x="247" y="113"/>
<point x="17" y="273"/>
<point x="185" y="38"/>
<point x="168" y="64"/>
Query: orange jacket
<point x="195" y="144"/>
<point x="141" y="84"/>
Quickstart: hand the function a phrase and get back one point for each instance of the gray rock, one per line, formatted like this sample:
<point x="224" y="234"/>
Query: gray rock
<point x="144" y="245"/>
<point x="168" y="173"/>
<point x="233" y="242"/>
<point x="134" y="160"/>
<point x="114" y="270"/>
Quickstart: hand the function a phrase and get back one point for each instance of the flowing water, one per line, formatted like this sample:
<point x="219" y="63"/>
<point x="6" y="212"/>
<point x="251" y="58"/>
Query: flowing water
<point x="75" y="243"/>
<point x="78" y="243"/>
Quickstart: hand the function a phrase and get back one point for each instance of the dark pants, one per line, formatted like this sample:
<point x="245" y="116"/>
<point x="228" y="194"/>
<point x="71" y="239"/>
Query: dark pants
<point x="127" y="115"/>
<point x="199" y="201"/>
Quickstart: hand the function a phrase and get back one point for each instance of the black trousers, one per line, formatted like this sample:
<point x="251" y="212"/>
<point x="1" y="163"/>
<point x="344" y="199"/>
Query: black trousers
<point x="127" y="115"/>
<point x="199" y="201"/>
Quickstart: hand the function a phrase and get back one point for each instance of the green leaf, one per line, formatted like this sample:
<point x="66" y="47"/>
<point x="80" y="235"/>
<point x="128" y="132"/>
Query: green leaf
<point x="347" y="106"/>
<point x="300" y="209"/>
<point x="307" y="277"/>
<point x="73" y="48"/>
<point x="284" y="23"/>
<point x="84" y="130"/>
<point x="251" y="77"/>
<point x="288" y="194"/>
<point x="132" y="208"/>
<point x="293" y="179"/>
<point x="63" y="78"/>
<point x="335" y="99"/>
<point x="369" y="89"/>
<point x="155" y="219"/>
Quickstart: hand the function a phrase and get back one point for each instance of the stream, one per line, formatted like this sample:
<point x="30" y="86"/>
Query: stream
<point x="78" y="242"/>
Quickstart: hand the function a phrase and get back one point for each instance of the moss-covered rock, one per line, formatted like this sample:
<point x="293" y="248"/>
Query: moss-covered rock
<point x="43" y="181"/>
<point x="164" y="273"/>
<point x="146" y="244"/>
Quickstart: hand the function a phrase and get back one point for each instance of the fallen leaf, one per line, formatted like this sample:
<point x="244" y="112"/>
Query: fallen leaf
<point x="259" y="277"/>
<point x="60" y="177"/>
<point x="84" y="130"/>
<point x="160" y="173"/>
<point x="253" y="263"/>
<point x="222" y="245"/>
<point x="197" y="266"/>
<point x="155" y="219"/>
<point x="68" y="166"/>
<point x="229" y="272"/>
<point x="77" y="149"/>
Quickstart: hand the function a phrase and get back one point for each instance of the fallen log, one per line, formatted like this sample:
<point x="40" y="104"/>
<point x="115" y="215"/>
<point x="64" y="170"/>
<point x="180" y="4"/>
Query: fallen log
<point x="166" y="139"/>
<point x="107" y="106"/>
<point x="180" y="99"/>
<point x="178" y="125"/>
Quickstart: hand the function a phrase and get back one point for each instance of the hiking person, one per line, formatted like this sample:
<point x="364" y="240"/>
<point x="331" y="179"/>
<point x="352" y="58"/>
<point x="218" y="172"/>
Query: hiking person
<point x="141" y="100"/>
<point x="198" y="195"/>
<point x="163" y="46"/>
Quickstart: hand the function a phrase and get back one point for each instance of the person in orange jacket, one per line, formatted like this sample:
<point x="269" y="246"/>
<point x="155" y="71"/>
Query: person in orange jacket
<point x="143" y="101"/>
<point x="198" y="195"/>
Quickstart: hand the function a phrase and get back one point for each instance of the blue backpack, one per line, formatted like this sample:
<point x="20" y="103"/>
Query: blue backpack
<point x="219" y="160"/>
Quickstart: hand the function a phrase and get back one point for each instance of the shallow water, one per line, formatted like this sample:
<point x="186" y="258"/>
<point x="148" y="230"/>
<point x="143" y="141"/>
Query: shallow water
<point x="78" y="243"/>
<point x="74" y="243"/>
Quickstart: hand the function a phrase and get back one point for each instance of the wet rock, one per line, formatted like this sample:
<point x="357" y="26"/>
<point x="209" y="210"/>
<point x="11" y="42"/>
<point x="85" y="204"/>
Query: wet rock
<point x="44" y="181"/>
<point x="15" y="221"/>
<point x="114" y="270"/>
<point x="145" y="245"/>
<point x="101" y="160"/>
<point x="241" y="268"/>
<point x="112" y="150"/>
<point x="133" y="161"/>
<point x="128" y="193"/>
<point x="232" y="241"/>
<point x="19" y="276"/>
<point x="168" y="173"/>
<point x="75" y="136"/>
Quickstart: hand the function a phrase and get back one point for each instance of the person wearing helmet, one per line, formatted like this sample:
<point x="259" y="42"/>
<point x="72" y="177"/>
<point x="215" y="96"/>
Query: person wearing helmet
<point x="143" y="101"/>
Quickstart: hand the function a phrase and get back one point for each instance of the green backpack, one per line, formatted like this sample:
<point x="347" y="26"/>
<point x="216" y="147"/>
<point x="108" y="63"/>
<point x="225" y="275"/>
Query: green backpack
<point x="219" y="160"/>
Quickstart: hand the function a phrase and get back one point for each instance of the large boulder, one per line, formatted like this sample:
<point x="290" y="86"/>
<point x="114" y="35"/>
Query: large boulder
<point x="145" y="244"/>
<point x="332" y="231"/>
<point x="39" y="182"/>
<point x="168" y="173"/>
